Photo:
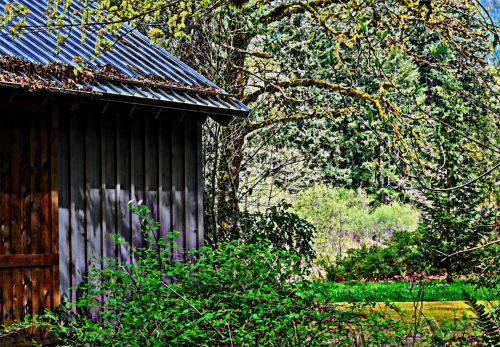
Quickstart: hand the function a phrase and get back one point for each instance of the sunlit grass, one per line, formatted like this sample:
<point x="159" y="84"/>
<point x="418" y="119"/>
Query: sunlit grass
<point x="439" y="311"/>
<point x="437" y="290"/>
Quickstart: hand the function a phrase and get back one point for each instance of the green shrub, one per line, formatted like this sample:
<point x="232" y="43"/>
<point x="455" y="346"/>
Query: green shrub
<point x="282" y="228"/>
<point x="238" y="293"/>
<point x="401" y="256"/>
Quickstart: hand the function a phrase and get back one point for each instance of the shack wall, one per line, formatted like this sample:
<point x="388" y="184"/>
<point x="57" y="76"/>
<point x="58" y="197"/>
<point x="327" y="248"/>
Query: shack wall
<point x="67" y="173"/>
<point x="106" y="160"/>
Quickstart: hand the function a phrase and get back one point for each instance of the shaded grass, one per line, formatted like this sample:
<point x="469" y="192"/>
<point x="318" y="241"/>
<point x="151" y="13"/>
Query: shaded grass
<point x="435" y="290"/>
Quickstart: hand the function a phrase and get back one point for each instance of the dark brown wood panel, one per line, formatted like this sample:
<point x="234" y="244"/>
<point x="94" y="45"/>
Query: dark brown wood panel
<point x="28" y="256"/>
<point x="28" y="260"/>
<point x="54" y="202"/>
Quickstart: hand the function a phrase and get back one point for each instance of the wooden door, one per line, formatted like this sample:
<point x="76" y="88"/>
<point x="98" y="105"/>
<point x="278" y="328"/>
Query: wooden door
<point x="29" y="273"/>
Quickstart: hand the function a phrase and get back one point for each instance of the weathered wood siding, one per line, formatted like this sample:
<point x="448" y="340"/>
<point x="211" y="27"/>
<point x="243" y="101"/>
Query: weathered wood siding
<point x="106" y="160"/>
<point x="28" y="212"/>
<point x="67" y="173"/>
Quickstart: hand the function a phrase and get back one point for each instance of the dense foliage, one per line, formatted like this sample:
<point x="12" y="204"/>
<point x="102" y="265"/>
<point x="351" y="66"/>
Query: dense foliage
<point x="357" y="93"/>
<point x="234" y="294"/>
<point x="401" y="256"/>
<point x="284" y="229"/>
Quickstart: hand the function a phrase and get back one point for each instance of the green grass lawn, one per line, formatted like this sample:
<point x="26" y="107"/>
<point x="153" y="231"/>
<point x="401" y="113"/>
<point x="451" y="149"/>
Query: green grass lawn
<point x="356" y="291"/>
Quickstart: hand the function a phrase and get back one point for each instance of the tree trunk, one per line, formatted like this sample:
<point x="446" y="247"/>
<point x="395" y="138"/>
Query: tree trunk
<point x="228" y="177"/>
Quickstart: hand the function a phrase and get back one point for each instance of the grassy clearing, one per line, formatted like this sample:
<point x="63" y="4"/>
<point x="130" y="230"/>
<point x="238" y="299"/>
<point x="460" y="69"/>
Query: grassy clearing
<point x="396" y="291"/>
<point x="438" y="311"/>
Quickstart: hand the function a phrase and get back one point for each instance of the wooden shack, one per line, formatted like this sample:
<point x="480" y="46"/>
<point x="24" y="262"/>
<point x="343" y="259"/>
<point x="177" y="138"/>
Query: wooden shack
<point x="75" y="149"/>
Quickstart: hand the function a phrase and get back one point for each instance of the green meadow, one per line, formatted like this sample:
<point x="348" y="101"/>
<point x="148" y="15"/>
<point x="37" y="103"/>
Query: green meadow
<point x="436" y="290"/>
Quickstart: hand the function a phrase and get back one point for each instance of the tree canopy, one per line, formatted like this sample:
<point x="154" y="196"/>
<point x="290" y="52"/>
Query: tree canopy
<point x="382" y="85"/>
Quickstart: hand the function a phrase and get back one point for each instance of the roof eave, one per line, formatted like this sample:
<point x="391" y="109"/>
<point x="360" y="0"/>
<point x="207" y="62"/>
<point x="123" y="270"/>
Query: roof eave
<point x="220" y="115"/>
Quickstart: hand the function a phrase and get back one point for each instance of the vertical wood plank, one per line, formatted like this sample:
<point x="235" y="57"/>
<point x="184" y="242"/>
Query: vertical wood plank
<point x="178" y="186"/>
<point x="64" y="198"/>
<point x="46" y="285"/>
<point x="34" y="209"/>
<point x="27" y="196"/>
<point x="3" y="173"/>
<point x="7" y="284"/>
<point x="16" y="215"/>
<point x="190" y="183"/>
<point x="137" y="174"/>
<point x="123" y="183"/>
<point x="27" y="287"/>
<point x="93" y="187"/>
<point x="77" y="207"/>
<point x="200" y="184"/>
<point x="5" y="223"/>
<point x="151" y="167"/>
<point x="15" y="199"/>
<point x="36" y="285"/>
<point x="108" y="178"/>
<point x="54" y="202"/>
<point x="1" y="296"/>
<point x="17" y="294"/>
<point x="165" y="176"/>
<point x="45" y="215"/>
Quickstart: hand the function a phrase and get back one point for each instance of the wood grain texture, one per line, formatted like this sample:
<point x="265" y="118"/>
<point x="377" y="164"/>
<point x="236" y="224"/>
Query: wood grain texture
<point x="200" y="183"/>
<point x="93" y="209"/>
<point x="28" y="260"/>
<point x="54" y="202"/>
<point x="137" y="174"/>
<point x="190" y="184"/>
<point x="64" y="206"/>
<point x="27" y="160"/>
<point x="178" y="218"/>
<point x="165" y="176"/>
<point x="34" y="208"/>
<point x="108" y="180"/>
<point x="151" y="167"/>
<point x="123" y="186"/>
<point x="5" y="241"/>
<point x="66" y="177"/>
<point x="78" y="249"/>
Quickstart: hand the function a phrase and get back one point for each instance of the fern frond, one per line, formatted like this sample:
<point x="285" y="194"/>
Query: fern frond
<point x="489" y="327"/>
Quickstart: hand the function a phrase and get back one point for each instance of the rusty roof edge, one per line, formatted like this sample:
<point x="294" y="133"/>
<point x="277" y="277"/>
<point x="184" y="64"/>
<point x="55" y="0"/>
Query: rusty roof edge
<point x="160" y="85"/>
<point x="92" y="95"/>
<point x="14" y="65"/>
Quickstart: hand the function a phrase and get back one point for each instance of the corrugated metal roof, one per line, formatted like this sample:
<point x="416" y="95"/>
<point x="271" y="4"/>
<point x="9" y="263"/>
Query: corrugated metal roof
<point x="132" y="56"/>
